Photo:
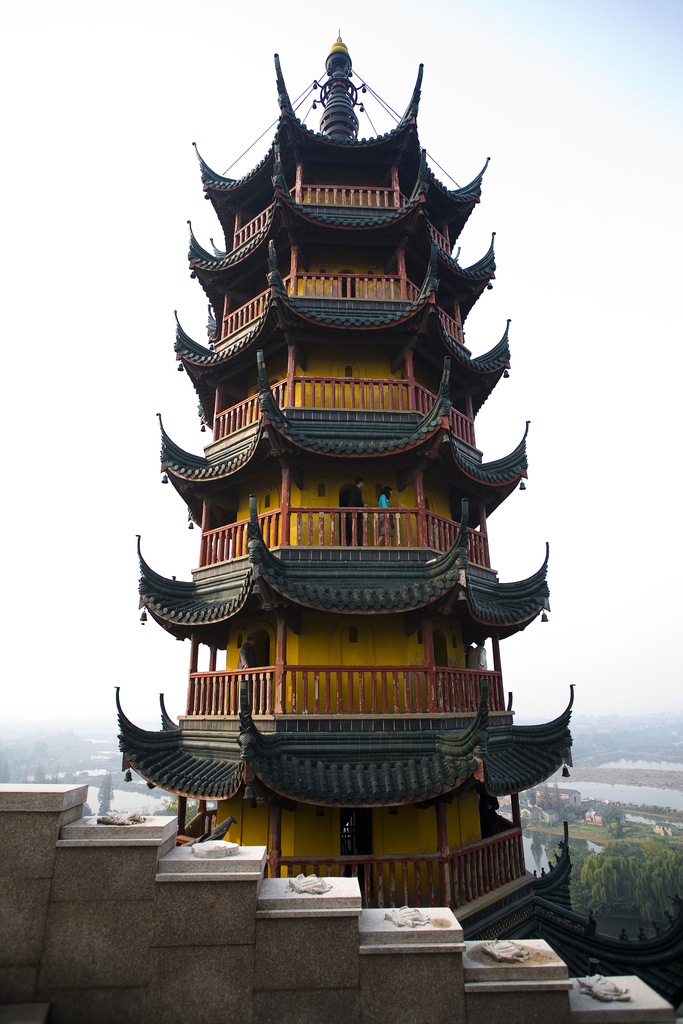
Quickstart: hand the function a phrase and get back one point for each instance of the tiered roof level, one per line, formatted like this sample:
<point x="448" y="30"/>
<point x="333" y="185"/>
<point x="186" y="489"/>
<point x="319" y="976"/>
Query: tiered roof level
<point x="337" y="351"/>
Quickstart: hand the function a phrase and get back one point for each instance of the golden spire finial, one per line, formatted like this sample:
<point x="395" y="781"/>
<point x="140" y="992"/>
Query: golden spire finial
<point x="339" y="46"/>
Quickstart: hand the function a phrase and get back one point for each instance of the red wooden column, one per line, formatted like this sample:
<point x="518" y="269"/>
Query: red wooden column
<point x="217" y="409"/>
<point x="182" y="814"/>
<point x="458" y="320"/>
<point x="293" y="269"/>
<point x="514" y="802"/>
<point x="428" y="642"/>
<point x="206" y="526"/>
<point x="401" y="259"/>
<point x="299" y="181"/>
<point x="275" y="840"/>
<point x="194" y="659"/>
<point x="421" y="517"/>
<point x="291" y="371"/>
<point x="410" y="377"/>
<point x="442" y="845"/>
<point x="495" y="644"/>
<point x="280" y="662"/>
<point x="213" y="654"/>
<point x="395" y="185"/>
<point x="285" y="503"/>
<point x="237" y="228"/>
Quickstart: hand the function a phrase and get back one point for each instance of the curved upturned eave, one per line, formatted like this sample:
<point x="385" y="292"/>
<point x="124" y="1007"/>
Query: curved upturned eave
<point x="200" y="259"/>
<point x="509" y="606"/>
<point x="186" y="469"/>
<point x="498" y="473"/>
<point x="212" y="180"/>
<point x="182" y="607"/>
<point x="457" y="196"/>
<point x="362" y="219"/>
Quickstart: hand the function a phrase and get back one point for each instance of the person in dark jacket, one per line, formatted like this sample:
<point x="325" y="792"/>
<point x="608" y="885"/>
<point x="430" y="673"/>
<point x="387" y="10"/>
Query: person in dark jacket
<point x="247" y="658"/>
<point x="355" y="501"/>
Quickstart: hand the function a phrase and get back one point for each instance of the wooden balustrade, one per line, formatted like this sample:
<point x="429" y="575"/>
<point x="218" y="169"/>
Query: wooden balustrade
<point x="344" y="690"/>
<point x="451" y="327"/>
<point x="440" y="239"/>
<point x="349" y="195"/>
<point x="244" y="413"/>
<point x="343" y="527"/>
<point x="246" y="314"/>
<point x="462" y="426"/>
<point x="368" y="287"/>
<point x="376" y="395"/>
<point x="252" y="228"/>
<point x="421" y="879"/>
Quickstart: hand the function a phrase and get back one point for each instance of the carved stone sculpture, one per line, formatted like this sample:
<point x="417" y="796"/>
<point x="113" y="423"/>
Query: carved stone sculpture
<point x="121" y="819"/>
<point x="505" y="951"/>
<point x="310" y="884"/>
<point x="602" y="989"/>
<point x="406" y="917"/>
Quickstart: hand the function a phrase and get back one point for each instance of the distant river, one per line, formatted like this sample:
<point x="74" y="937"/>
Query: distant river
<point x="658" y="766"/>
<point x="631" y="794"/>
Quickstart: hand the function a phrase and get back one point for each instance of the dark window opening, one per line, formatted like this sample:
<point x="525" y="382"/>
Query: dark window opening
<point x="266" y="501"/>
<point x="239" y="640"/>
<point x="419" y="637"/>
<point x="440" y="648"/>
<point x="454" y="640"/>
<point x="321" y="490"/>
<point x="348" y="371"/>
<point x="353" y="634"/>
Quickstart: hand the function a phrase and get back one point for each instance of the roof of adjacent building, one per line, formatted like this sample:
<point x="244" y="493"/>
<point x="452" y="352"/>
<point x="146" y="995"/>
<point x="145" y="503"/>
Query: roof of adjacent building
<point x="346" y="768"/>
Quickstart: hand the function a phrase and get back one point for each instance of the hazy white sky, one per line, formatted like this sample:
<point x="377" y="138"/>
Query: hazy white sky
<point x="577" y="103"/>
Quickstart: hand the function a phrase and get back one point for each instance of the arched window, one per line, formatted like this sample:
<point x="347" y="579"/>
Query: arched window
<point x="266" y="501"/>
<point x="420" y="639"/>
<point x="321" y="490"/>
<point x="239" y="640"/>
<point x="353" y="634"/>
<point x="454" y="640"/>
<point x="348" y="370"/>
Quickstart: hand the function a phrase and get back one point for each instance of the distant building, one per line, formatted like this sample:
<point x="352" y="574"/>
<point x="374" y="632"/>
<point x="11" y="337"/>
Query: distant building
<point x="662" y="830"/>
<point x="595" y="819"/>
<point x="572" y="796"/>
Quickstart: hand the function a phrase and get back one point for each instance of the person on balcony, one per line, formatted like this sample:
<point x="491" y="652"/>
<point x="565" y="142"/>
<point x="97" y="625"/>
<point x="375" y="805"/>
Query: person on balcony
<point x="355" y="501"/>
<point x="384" y="503"/>
<point x="476" y="658"/>
<point x="247" y="658"/>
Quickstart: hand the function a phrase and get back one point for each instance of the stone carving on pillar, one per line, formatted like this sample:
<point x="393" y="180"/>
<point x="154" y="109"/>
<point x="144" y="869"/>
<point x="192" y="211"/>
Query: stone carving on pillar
<point x="121" y="819"/>
<point x="407" y="917"/>
<point x="602" y="989"/>
<point x="215" y="849"/>
<point x="310" y="884"/>
<point x="506" y="952"/>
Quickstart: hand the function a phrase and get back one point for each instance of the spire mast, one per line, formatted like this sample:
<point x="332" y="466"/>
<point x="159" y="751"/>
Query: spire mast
<point x="338" y="96"/>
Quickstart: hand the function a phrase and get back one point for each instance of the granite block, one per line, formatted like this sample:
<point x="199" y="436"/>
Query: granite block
<point x="323" y="1006"/>
<point x="180" y="863"/>
<point x="27" y="841"/>
<point x="276" y="895"/>
<point x="24" y="903"/>
<point x="645" y="1005"/>
<point x="25" y="1013"/>
<point x="99" y="1006"/>
<point x="205" y="913"/>
<point x="18" y="984"/>
<point x="102" y="944"/>
<point x="376" y="930"/>
<point x="200" y="984"/>
<point x="27" y="797"/>
<point x="159" y="827"/>
<point x="307" y="953"/>
<point x="412" y="989"/>
<point x="543" y="964"/>
<point x="541" y="1003"/>
<point x="104" y="872"/>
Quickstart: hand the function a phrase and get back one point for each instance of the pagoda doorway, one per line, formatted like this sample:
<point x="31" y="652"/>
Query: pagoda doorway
<point x="440" y="649"/>
<point x="262" y="647"/>
<point x="355" y="835"/>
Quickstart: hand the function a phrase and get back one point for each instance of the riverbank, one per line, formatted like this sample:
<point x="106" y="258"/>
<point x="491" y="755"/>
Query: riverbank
<point x="634" y="831"/>
<point x="628" y="777"/>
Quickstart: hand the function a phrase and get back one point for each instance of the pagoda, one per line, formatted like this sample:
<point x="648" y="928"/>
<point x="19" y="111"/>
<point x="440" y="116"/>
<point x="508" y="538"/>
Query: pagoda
<point x="370" y="738"/>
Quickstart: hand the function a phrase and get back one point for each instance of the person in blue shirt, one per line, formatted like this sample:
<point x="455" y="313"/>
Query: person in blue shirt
<point x="384" y="503"/>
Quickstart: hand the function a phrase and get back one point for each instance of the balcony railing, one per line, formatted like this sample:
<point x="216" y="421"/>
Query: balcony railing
<point x="344" y="690"/>
<point x="453" y="879"/>
<point x="350" y="196"/>
<point x="243" y="234"/>
<point x="319" y="527"/>
<point x="367" y="287"/>
<point x="452" y="328"/>
<point x="372" y="395"/>
<point x="440" y="239"/>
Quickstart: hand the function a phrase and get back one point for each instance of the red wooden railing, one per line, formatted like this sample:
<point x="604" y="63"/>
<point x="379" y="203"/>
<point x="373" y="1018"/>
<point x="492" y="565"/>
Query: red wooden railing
<point x="243" y="234"/>
<point x="451" y="327"/>
<point x="244" y="413"/>
<point x="377" y="287"/>
<point x="343" y="527"/>
<point x="440" y="239"/>
<point x="422" y="879"/>
<point x="344" y="690"/>
<point x="348" y="195"/>
<point x="374" y="395"/>
<point x="242" y="317"/>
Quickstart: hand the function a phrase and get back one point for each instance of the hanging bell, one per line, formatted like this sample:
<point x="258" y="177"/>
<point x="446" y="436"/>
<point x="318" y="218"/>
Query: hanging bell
<point x="565" y="772"/>
<point x="364" y="90"/>
<point x="544" y="617"/>
<point x="164" y="479"/>
<point x="180" y="367"/>
<point x="506" y="374"/>
<point x="143" y="618"/>
<point x="362" y="109"/>
<point x="248" y="793"/>
<point x="522" y="485"/>
<point x="202" y="429"/>
<point x="315" y="105"/>
<point x="128" y="776"/>
<point x="190" y="525"/>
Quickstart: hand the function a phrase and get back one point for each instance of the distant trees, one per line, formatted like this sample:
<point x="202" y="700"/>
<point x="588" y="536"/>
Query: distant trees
<point x="4" y="769"/>
<point x="627" y="879"/>
<point x="40" y="774"/>
<point x="105" y="794"/>
<point x="613" y="819"/>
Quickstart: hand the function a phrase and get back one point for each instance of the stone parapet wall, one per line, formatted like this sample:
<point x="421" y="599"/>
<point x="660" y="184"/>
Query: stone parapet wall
<point x="117" y="925"/>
